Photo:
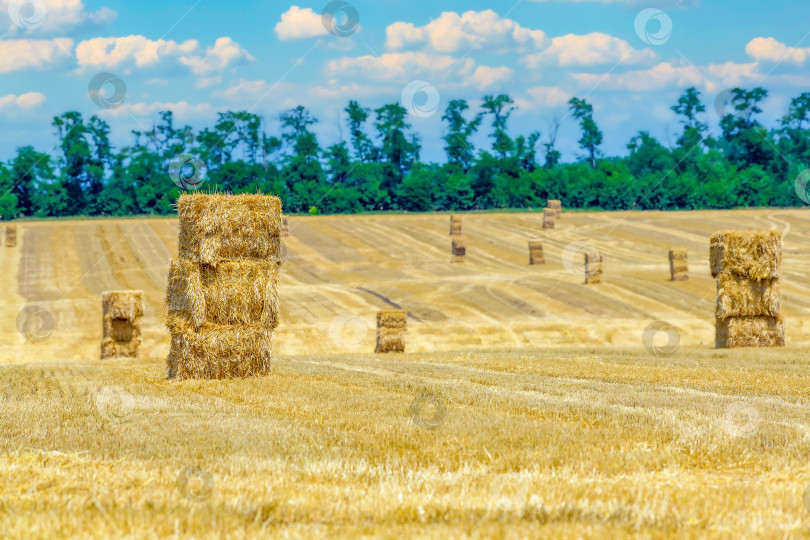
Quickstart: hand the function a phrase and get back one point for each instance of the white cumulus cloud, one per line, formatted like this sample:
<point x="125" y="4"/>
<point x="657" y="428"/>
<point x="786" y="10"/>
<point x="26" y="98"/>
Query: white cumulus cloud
<point x="18" y="54"/>
<point x="771" y="50"/>
<point x="299" y="23"/>
<point x="27" y="101"/>
<point x="591" y="49"/>
<point x="59" y="15"/>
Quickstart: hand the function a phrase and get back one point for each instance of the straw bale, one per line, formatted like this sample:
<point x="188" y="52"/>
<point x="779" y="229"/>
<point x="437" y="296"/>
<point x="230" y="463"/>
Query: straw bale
<point x="121" y="329"/>
<point x="751" y="254"/>
<point x="236" y="291"/>
<point x="536" y="252"/>
<point x="126" y="305"/>
<point x="679" y="264"/>
<point x="11" y="236"/>
<point x="593" y="267"/>
<point x="459" y="249"/>
<point x="549" y="218"/>
<point x="219" y="351"/>
<point x="216" y="226"/>
<point x="111" y="348"/>
<point x="556" y="205"/>
<point x="750" y="332"/>
<point x="285" y="227"/>
<point x="741" y="297"/>
<point x="392" y="326"/>
<point x="455" y="225"/>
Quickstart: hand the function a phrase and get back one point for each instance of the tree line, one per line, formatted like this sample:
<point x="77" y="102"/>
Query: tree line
<point x="379" y="166"/>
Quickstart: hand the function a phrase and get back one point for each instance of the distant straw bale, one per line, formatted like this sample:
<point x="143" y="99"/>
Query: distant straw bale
<point x="750" y="332"/>
<point x="556" y="205"/>
<point x="751" y="254"/>
<point x="459" y="249"/>
<point x="593" y="267"/>
<point x="455" y="225"/>
<point x="391" y="328"/>
<point x="678" y="264"/>
<point x="215" y="227"/>
<point x="536" y="252"/>
<point x="122" y="311"/>
<point x="285" y="227"/>
<point x="549" y="218"/>
<point x="741" y="297"/>
<point x="11" y="236"/>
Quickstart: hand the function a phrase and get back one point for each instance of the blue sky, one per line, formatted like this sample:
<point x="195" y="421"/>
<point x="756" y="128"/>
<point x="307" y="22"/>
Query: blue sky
<point x="201" y="57"/>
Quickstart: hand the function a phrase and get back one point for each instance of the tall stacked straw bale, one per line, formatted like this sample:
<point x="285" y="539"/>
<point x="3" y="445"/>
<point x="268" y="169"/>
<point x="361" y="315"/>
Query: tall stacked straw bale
<point x="285" y="227"/>
<point x="536" y="252"/>
<point x="122" y="312"/>
<point x="747" y="267"/>
<point x="455" y="225"/>
<point x="549" y="218"/>
<point x="11" y="236"/>
<point x="593" y="267"/>
<point x="459" y="249"/>
<point x="391" y="328"/>
<point x="222" y="293"/>
<point x="556" y="206"/>
<point x="679" y="264"/>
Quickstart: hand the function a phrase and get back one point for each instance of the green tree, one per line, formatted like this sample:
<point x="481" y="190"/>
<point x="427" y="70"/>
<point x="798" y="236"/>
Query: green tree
<point x="458" y="147"/>
<point x="591" y="136"/>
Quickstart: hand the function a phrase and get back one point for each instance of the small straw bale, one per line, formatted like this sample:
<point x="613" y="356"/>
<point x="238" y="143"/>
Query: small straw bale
<point x="536" y="252"/>
<point x="459" y="249"/>
<point x="216" y="226"/>
<point x="219" y="351"/>
<point x="679" y="264"/>
<point x="455" y="225"/>
<point x="11" y="236"/>
<point x="556" y="205"/>
<point x="391" y="328"/>
<point x="285" y="227"/>
<point x="549" y="218"/>
<point x="122" y="312"/>
<point x="593" y="267"/>
<point x="236" y="291"/>
<point x="741" y="297"/>
<point x="750" y="332"/>
<point x="750" y="254"/>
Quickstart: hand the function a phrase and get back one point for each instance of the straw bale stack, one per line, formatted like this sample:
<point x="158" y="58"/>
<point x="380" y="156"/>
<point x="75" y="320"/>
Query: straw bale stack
<point x="455" y="225"/>
<point x="679" y="264"/>
<point x="391" y="328"/>
<point x="556" y="206"/>
<point x="222" y="293"/>
<point x="11" y="236"/>
<point x="549" y="218"/>
<point x="747" y="267"/>
<point x="122" y="312"/>
<point x="536" y="252"/>
<point x="285" y="227"/>
<point x="593" y="267"/>
<point x="459" y="249"/>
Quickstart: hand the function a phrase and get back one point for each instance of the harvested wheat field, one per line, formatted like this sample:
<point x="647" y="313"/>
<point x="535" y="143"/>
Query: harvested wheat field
<point x="526" y="404"/>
